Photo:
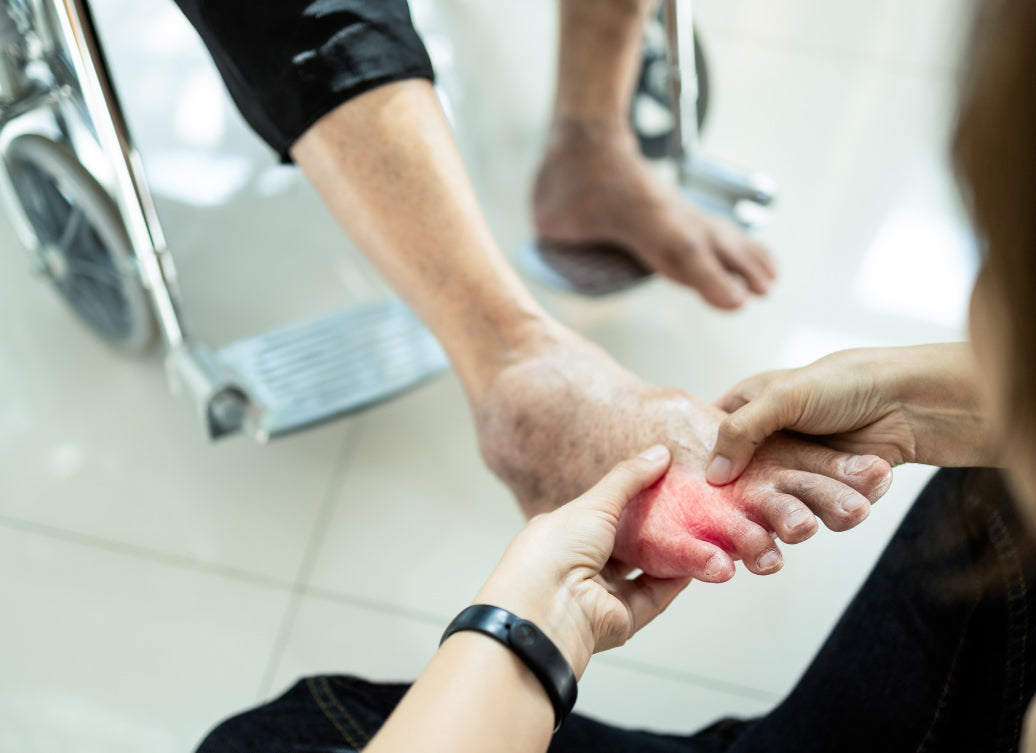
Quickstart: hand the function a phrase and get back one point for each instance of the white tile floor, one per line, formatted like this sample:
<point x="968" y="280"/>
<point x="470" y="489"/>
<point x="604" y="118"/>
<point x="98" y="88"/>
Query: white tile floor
<point x="153" y="583"/>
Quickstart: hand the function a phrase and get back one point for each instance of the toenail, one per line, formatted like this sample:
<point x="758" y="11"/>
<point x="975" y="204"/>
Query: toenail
<point x="769" y="560"/>
<point x="715" y="567"/>
<point x="798" y="519"/>
<point x="852" y="504"/>
<point x="859" y="464"/>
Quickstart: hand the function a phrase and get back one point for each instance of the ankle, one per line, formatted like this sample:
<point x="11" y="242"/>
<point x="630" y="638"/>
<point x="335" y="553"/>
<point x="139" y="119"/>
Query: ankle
<point x="575" y="133"/>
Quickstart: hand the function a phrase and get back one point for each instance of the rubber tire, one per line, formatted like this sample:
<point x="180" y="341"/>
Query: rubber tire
<point x="102" y="285"/>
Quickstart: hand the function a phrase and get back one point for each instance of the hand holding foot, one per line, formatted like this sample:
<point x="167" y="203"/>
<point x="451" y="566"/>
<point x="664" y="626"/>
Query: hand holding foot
<point x="552" y="424"/>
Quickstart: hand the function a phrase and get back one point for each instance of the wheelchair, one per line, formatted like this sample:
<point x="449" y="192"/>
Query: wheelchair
<point x="75" y="191"/>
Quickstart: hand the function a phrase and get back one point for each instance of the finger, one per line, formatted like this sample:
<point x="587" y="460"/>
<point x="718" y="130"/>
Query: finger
<point x="625" y="481"/>
<point x="647" y="596"/>
<point x="840" y="507"/>
<point x="746" y="428"/>
<point x="748" y="389"/>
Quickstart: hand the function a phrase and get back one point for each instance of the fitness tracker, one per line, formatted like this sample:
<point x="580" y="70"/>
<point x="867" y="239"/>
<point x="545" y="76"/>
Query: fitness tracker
<point x="529" y="643"/>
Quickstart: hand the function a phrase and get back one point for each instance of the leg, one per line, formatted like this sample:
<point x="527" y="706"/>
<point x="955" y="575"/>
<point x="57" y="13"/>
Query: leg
<point x="593" y="185"/>
<point x="554" y="422"/>
<point x="385" y="163"/>
<point x="935" y="653"/>
<point x="340" y="714"/>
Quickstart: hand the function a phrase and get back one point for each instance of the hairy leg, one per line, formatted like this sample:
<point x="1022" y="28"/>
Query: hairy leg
<point x="594" y="186"/>
<point x="553" y="412"/>
<point x="552" y="425"/>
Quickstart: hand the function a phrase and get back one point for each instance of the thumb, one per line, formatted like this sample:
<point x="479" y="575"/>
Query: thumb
<point x="746" y="428"/>
<point x="625" y="481"/>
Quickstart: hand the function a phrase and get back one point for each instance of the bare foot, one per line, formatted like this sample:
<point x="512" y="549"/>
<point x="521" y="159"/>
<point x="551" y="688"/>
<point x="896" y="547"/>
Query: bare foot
<point x="594" y="186"/>
<point x="552" y="425"/>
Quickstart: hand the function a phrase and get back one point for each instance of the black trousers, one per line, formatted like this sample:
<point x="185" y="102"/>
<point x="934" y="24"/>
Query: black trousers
<point x="289" y="62"/>
<point x="935" y="653"/>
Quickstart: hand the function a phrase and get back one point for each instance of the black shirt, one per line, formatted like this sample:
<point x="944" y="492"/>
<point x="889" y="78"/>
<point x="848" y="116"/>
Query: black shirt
<point x="287" y="63"/>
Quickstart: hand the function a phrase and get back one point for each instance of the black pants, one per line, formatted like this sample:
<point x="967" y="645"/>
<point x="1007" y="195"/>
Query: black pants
<point x="289" y="62"/>
<point x="935" y="653"/>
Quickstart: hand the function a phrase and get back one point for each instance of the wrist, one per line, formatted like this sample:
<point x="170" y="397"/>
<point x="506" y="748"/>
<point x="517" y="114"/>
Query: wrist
<point x="530" y="645"/>
<point x="552" y="609"/>
<point x="936" y="389"/>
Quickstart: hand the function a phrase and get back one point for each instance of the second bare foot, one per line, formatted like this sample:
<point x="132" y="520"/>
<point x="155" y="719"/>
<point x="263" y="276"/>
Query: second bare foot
<point x="593" y="186"/>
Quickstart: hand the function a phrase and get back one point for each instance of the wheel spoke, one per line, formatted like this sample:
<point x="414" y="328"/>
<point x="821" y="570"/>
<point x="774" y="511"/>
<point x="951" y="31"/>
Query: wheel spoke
<point x="101" y="273"/>
<point x="90" y="302"/>
<point x="76" y="222"/>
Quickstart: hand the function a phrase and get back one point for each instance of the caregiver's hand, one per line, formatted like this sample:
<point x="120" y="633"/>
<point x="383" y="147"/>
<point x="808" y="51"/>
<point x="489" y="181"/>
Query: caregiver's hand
<point x="916" y="404"/>
<point x="556" y="573"/>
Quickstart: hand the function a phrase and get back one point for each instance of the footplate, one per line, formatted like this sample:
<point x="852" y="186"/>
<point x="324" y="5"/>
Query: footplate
<point x="304" y="374"/>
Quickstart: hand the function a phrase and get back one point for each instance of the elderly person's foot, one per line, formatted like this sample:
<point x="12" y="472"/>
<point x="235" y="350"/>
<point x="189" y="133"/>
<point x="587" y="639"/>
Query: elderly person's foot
<point x="552" y="424"/>
<point x="593" y="186"/>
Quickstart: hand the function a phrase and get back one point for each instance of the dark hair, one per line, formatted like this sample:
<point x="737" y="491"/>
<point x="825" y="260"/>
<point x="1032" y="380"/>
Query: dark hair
<point x="994" y="153"/>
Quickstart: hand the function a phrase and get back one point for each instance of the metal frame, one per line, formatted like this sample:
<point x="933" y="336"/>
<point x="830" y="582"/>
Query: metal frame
<point x="345" y="362"/>
<point x="724" y="184"/>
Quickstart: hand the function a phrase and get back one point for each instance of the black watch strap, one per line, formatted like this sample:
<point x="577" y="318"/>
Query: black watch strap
<point x="529" y="643"/>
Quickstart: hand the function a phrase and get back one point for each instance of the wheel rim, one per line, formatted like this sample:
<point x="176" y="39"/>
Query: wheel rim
<point x="77" y="260"/>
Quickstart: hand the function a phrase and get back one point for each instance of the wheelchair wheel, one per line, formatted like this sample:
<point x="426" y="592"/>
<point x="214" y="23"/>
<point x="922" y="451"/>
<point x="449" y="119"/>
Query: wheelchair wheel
<point x="652" y="115"/>
<point x="83" y="244"/>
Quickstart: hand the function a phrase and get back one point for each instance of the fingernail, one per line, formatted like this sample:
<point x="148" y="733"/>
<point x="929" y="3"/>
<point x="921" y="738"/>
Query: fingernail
<point x="769" y="560"/>
<point x="798" y="519"/>
<point x="719" y="470"/>
<point x="655" y="453"/>
<point x="859" y="464"/>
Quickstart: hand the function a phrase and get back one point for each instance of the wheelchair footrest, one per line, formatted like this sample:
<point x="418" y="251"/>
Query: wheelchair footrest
<point x="307" y="373"/>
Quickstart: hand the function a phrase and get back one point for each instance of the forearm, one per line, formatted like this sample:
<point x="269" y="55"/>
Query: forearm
<point x="386" y="165"/>
<point x="474" y="695"/>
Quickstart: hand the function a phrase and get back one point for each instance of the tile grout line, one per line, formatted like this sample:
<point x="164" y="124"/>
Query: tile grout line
<point x="705" y="682"/>
<point x="298" y="588"/>
<point x="141" y="553"/>
<point x="691" y="678"/>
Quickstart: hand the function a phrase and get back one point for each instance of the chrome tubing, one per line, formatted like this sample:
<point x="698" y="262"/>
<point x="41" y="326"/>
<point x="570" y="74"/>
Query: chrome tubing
<point x="678" y="15"/>
<point x="132" y="194"/>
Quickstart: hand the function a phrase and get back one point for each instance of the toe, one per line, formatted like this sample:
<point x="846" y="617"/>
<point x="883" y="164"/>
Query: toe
<point x="840" y="507"/>
<point x="756" y="548"/>
<point x="700" y="560"/>
<point x="741" y="256"/>
<point x="870" y="475"/>
<point x="867" y="474"/>
<point x="697" y="265"/>
<point x="788" y="517"/>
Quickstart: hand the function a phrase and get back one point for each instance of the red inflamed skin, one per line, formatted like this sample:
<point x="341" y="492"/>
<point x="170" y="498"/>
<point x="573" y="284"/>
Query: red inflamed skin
<point x="683" y="526"/>
<point x="552" y="426"/>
